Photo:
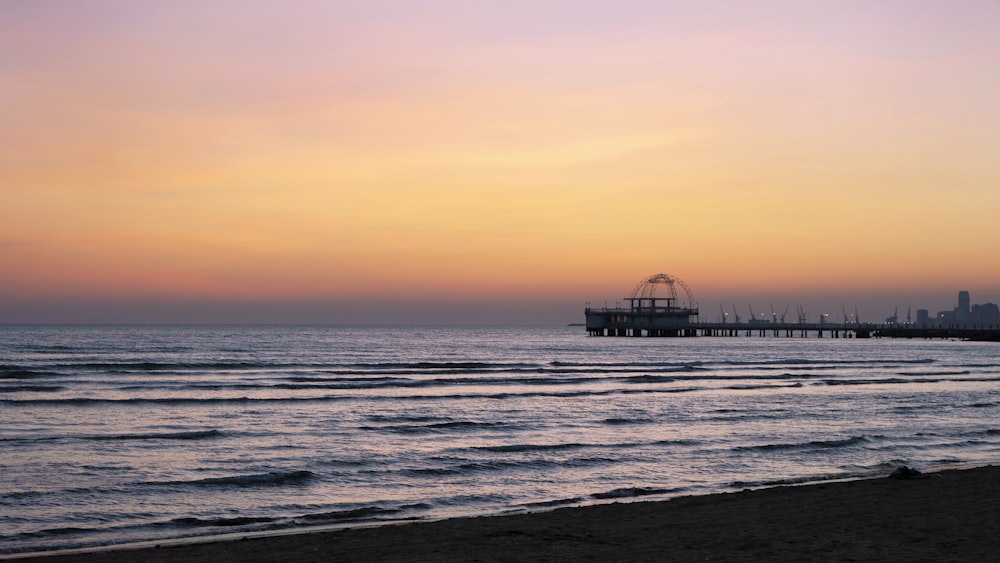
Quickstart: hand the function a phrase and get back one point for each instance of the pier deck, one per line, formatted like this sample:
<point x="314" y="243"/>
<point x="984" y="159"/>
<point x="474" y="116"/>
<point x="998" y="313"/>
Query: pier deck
<point x="676" y="323"/>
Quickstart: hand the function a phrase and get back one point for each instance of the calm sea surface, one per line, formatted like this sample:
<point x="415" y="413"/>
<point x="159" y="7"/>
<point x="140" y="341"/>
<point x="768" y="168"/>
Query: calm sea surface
<point x="114" y="434"/>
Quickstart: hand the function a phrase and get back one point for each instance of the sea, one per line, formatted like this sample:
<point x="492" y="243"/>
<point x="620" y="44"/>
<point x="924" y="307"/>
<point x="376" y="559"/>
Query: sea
<point x="122" y="434"/>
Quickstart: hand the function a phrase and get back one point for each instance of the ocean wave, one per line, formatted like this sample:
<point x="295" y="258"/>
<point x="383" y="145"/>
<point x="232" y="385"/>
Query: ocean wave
<point x="646" y="378"/>
<point x="982" y="405"/>
<point x="153" y="366"/>
<point x="748" y="377"/>
<point x="969" y="443"/>
<point x="403" y="383"/>
<point x="678" y="365"/>
<point x="531" y="394"/>
<point x="824" y="362"/>
<point x="685" y="442"/>
<point x="503" y="465"/>
<point x="14" y="372"/>
<point x="416" y="506"/>
<point x="625" y="369"/>
<point x="47" y="349"/>
<point x="304" y="382"/>
<point x="57" y="492"/>
<point x="355" y="514"/>
<point x="914" y="408"/>
<point x="631" y="492"/>
<point x="403" y="418"/>
<point x="193" y="522"/>
<point x="31" y="388"/>
<point x="530" y="447"/>
<point x="301" y="382"/>
<point x="506" y="465"/>
<point x="462" y="424"/>
<point x="778" y="363"/>
<point x="431" y="365"/>
<point x="879" y="381"/>
<point x="626" y="421"/>
<point x="795" y="480"/>
<point x="190" y="435"/>
<point x="62" y="531"/>
<point x="570" y="387"/>
<point x="445" y="366"/>
<point x="87" y="401"/>
<point x="274" y="478"/>
<point x="345" y="377"/>
<point x="758" y="386"/>
<point x="363" y="372"/>
<point x="553" y="503"/>
<point x="814" y="444"/>
<point x="137" y="366"/>
<point x="752" y="416"/>
<point x="21" y="495"/>
<point x="435" y="428"/>
<point x="584" y="393"/>
<point x="431" y="471"/>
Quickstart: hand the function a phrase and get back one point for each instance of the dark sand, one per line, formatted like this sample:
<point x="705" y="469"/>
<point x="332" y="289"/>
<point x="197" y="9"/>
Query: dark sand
<point x="946" y="516"/>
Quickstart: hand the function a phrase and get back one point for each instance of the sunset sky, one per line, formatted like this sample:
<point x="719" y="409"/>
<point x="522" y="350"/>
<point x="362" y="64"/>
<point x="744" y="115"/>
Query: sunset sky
<point x="450" y="161"/>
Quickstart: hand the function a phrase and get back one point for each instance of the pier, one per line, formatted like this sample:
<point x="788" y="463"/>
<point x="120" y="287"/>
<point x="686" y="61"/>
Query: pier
<point x="654" y="310"/>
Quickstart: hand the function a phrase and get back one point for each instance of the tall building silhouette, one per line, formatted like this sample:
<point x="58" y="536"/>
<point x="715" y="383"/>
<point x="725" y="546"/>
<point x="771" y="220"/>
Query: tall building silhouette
<point x="964" y="309"/>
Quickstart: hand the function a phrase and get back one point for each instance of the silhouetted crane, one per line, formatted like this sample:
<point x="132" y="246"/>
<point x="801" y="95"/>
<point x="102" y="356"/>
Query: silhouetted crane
<point x="894" y="319"/>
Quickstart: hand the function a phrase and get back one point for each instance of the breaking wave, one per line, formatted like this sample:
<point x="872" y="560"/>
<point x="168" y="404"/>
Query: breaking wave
<point x="274" y="478"/>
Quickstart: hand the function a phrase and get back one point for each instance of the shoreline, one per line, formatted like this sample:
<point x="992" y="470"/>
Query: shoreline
<point x="527" y="509"/>
<point x="951" y="514"/>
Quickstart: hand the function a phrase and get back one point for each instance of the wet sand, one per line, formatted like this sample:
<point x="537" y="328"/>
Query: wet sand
<point x="947" y="516"/>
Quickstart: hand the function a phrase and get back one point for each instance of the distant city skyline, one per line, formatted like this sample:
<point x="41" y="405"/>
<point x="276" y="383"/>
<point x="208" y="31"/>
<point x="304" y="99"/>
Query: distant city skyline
<point x="965" y="313"/>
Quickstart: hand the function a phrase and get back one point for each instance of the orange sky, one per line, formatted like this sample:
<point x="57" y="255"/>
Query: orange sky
<point x="451" y="153"/>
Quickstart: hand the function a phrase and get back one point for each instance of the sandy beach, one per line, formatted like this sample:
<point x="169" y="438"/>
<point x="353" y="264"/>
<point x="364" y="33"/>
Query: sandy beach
<point x="950" y="515"/>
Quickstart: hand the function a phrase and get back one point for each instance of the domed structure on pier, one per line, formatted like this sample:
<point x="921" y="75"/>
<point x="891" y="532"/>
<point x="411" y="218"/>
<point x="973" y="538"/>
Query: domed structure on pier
<point x="656" y="290"/>
<point x="654" y="309"/>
